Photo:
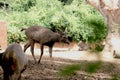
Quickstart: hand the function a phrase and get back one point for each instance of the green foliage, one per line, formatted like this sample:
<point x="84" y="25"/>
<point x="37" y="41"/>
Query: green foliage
<point x="115" y="77"/>
<point x="90" y="67"/>
<point x="93" y="67"/>
<point x="69" y="70"/>
<point x="99" y="28"/>
<point x="98" y="48"/>
<point x="21" y="5"/>
<point x="22" y="14"/>
<point x="14" y="35"/>
<point x="79" y="20"/>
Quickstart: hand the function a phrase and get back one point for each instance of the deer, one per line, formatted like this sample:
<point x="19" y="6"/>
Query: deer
<point x="43" y="36"/>
<point x="13" y="62"/>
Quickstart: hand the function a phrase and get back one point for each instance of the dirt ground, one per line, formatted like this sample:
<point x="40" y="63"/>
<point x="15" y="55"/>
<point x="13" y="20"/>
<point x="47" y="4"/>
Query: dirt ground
<point x="49" y="68"/>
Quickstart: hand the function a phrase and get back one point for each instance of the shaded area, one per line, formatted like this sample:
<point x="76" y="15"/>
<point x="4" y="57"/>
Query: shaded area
<point x="49" y="69"/>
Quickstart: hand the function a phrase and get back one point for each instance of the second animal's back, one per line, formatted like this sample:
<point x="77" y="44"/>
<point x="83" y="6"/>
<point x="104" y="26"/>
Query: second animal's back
<point x="15" y="55"/>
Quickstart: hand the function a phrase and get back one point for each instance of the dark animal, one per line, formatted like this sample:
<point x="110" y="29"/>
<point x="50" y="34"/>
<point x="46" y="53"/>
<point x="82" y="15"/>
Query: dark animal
<point x="43" y="36"/>
<point x="13" y="62"/>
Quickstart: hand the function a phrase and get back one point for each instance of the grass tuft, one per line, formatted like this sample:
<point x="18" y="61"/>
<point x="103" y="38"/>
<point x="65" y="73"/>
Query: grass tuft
<point x="69" y="70"/>
<point x="93" y="66"/>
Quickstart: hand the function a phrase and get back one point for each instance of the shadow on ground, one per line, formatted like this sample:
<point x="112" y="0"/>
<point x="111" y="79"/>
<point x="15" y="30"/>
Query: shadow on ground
<point x="49" y="69"/>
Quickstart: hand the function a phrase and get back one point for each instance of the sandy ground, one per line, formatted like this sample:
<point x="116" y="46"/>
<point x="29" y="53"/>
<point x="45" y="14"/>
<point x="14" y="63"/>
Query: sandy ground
<point x="49" y="68"/>
<point x="74" y="54"/>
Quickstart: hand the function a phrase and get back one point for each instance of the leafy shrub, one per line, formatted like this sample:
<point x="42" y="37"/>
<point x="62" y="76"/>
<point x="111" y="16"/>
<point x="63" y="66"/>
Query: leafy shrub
<point x="79" y="20"/>
<point x="14" y="35"/>
<point x="21" y="5"/>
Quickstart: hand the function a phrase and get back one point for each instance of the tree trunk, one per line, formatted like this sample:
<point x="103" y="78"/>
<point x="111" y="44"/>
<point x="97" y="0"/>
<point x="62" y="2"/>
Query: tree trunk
<point x="110" y="9"/>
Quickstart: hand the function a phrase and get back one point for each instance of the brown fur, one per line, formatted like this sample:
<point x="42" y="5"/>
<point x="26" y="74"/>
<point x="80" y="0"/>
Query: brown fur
<point x="13" y="62"/>
<point x="43" y="36"/>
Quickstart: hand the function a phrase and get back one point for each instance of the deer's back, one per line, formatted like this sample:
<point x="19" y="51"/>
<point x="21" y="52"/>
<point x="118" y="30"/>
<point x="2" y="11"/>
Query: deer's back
<point x="39" y="34"/>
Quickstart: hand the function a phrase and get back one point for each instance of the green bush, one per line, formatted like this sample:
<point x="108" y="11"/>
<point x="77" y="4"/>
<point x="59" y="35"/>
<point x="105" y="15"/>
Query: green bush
<point x="15" y="35"/>
<point x="79" y="20"/>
